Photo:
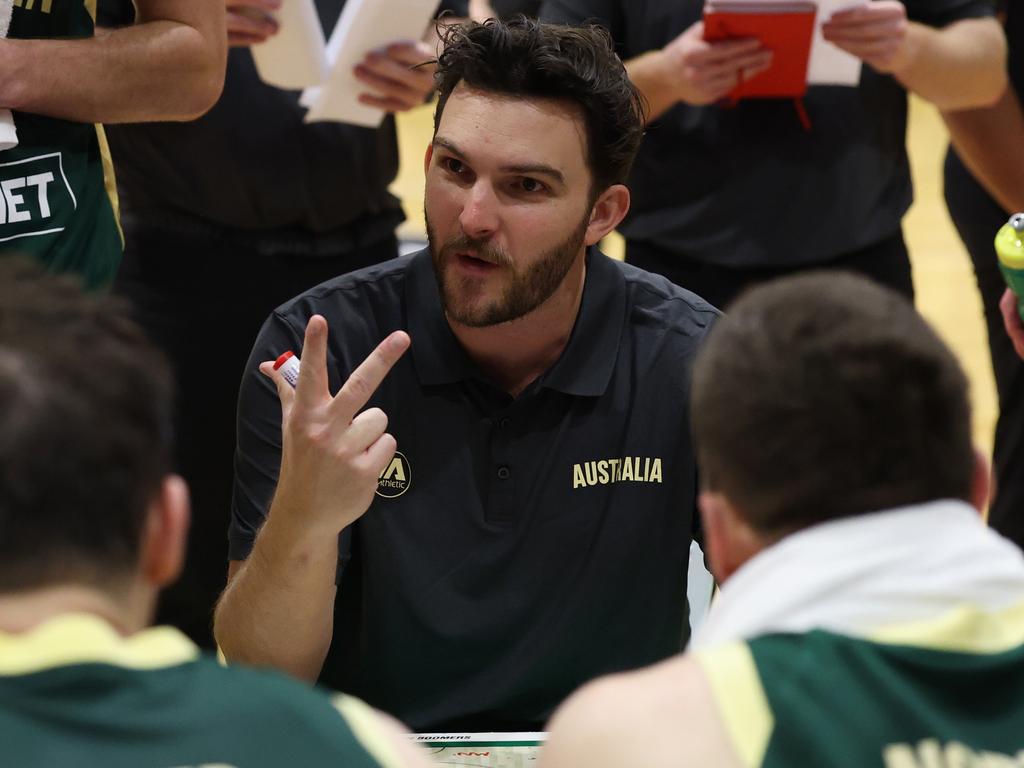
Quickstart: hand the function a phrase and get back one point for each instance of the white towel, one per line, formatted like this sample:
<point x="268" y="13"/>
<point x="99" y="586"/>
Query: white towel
<point x="8" y="133"/>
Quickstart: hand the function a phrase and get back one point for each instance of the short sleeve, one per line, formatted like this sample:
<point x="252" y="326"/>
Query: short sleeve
<point x="939" y="13"/>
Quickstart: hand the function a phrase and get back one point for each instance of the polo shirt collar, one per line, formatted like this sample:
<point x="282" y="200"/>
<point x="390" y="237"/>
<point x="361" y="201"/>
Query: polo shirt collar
<point x="586" y="364"/>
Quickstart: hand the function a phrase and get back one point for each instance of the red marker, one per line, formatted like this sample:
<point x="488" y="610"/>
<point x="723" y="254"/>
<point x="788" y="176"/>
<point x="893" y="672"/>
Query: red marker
<point x="288" y="364"/>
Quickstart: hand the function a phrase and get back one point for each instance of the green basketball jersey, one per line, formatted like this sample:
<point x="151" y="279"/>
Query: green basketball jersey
<point x="75" y="693"/>
<point x="947" y="694"/>
<point x="57" y="196"/>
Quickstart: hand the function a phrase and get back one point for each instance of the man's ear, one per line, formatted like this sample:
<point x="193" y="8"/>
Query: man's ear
<point x="609" y="209"/>
<point x="728" y="538"/>
<point x="165" y="534"/>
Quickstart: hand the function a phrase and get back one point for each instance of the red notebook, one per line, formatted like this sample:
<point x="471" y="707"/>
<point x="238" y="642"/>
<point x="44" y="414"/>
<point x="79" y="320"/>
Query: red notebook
<point x="787" y="28"/>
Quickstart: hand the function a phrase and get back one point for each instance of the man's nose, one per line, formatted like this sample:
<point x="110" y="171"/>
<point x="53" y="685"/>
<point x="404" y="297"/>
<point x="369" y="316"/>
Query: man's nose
<point x="479" y="218"/>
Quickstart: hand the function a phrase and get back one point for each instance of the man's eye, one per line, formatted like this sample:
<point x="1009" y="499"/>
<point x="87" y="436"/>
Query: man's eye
<point x="452" y="165"/>
<point x="531" y="185"/>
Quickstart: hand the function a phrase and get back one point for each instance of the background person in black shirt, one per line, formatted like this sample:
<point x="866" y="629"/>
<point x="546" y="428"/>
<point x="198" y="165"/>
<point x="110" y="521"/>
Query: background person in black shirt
<point x="726" y="197"/>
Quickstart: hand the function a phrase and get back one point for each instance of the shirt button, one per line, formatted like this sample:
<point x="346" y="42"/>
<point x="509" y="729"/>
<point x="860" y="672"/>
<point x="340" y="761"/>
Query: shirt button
<point x="504" y="473"/>
<point x="504" y="423"/>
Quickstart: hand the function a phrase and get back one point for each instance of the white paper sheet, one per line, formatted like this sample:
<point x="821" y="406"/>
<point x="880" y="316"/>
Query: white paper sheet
<point x="364" y="25"/>
<point x="296" y="57"/>
<point x="828" y="64"/>
<point x="8" y="133"/>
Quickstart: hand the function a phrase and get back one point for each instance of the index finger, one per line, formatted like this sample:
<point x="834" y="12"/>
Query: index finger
<point x="364" y="380"/>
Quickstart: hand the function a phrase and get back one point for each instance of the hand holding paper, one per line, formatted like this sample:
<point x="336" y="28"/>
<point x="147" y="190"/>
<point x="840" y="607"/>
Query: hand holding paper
<point x="876" y="33"/>
<point x="397" y="76"/>
<point x="704" y="71"/>
<point x="250" y="22"/>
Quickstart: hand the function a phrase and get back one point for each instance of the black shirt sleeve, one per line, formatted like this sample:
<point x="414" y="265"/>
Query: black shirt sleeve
<point x="458" y="7"/>
<point x="939" y="13"/>
<point x="258" y="448"/>
<point x="579" y="11"/>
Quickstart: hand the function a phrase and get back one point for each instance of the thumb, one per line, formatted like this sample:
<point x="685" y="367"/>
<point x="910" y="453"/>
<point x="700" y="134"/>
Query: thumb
<point x="285" y="391"/>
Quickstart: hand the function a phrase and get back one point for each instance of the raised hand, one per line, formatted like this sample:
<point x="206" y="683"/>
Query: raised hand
<point x="332" y="451"/>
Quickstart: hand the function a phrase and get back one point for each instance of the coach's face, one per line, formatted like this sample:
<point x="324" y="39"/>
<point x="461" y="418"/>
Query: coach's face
<point x="508" y="204"/>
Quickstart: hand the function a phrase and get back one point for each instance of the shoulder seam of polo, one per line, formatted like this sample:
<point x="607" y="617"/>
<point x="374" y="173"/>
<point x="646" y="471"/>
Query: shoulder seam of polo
<point x="706" y="309"/>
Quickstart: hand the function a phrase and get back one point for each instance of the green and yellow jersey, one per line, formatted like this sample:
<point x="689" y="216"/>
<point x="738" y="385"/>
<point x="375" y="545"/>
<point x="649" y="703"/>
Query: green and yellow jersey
<point x="946" y="693"/>
<point x="75" y="692"/>
<point x="58" y="201"/>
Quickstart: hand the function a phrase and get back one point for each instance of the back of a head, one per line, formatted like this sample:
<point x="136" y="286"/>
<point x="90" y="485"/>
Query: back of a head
<point x="84" y="432"/>
<point x="825" y="395"/>
<point x="524" y="58"/>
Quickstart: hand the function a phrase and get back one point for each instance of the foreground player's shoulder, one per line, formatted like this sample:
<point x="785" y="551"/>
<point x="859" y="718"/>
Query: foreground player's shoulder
<point x="305" y="726"/>
<point x="658" y="717"/>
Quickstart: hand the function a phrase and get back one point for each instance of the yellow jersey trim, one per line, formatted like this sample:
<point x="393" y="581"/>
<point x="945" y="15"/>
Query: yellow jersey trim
<point x="110" y="179"/>
<point x="365" y="726"/>
<point x="965" y="629"/>
<point x="740" y="698"/>
<point x="87" y="639"/>
<point x="90" y="6"/>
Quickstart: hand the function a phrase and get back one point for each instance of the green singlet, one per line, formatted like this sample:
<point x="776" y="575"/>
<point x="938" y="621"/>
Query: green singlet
<point x="945" y="694"/>
<point x="58" y="201"/>
<point x="73" y="692"/>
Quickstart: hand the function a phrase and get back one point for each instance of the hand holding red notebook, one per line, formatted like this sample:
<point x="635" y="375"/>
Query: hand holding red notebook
<point x="785" y="28"/>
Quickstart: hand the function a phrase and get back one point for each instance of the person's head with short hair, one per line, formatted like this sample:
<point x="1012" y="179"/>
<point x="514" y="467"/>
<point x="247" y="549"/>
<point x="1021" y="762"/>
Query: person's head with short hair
<point x="535" y="132"/>
<point x="819" y="397"/>
<point x="87" y="500"/>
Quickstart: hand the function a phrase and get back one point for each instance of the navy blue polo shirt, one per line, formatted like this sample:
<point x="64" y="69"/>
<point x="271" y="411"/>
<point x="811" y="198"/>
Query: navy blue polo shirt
<point x="517" y="547"/>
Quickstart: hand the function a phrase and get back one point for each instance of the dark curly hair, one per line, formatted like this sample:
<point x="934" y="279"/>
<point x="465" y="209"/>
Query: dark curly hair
<point x="523" y="57"/>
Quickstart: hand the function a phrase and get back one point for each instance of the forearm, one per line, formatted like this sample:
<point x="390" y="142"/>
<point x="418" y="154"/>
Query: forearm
<point x="160" y="69"/>
<point x="648" y="73"/>
<point x="278" y="609"/>
<point x="990" y="142"/>
<point x="960" y="66"/>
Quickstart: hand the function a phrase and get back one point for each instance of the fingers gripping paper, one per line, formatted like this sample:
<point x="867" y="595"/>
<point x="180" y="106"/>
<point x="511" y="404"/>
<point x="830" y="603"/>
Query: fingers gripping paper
<point x="8" y="134"/>
<point x="296" y="57"/>
<point x="364" y="25"/>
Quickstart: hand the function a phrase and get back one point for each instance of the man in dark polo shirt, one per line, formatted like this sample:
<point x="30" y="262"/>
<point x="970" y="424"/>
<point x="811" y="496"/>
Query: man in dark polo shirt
<point x="728" y="196"/>
<point x="533" y="528"/>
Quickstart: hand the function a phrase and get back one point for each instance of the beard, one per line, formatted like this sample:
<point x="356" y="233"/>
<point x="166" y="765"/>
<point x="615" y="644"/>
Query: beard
<point x="524" y="291"/>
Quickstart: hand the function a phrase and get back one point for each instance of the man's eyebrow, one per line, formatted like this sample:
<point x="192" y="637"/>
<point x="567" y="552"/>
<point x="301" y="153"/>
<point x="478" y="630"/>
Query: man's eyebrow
<point x="535" y="169"/>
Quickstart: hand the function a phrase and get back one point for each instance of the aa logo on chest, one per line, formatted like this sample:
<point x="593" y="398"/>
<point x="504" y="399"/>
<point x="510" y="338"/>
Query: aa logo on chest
<point x="634" y="469"/>
<point x="396" y="477"/>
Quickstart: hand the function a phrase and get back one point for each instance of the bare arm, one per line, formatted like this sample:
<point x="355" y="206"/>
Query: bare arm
<point x="278" y="608"/>
<point x="991" y="144"/>
<point x="168" y="66"/>
<point x="959" y="66"/>
<point x="660" y="717"/>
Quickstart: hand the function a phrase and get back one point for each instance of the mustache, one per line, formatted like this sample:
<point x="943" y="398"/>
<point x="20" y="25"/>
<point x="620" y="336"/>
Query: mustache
<point x="481" y="248"/>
